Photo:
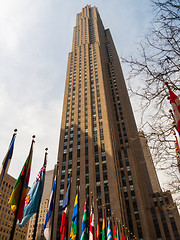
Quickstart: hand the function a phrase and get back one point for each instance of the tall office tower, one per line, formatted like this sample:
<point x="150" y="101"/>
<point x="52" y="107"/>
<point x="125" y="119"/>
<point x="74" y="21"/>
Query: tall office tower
<point x="99" y="140"/>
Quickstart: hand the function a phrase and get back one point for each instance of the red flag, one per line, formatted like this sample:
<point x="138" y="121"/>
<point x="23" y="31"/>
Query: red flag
<point x="63" y="228"/>
<point x="91" y="228"/>
<point x="175" y="102"/>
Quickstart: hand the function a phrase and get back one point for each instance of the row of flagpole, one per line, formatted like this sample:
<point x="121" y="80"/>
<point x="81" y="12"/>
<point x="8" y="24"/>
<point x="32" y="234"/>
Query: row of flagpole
<point x="24" y="201"/>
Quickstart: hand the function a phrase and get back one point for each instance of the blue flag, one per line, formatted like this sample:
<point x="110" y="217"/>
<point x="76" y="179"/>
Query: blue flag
<point x="7" y="159"/>
<point x="66" y="199"/>
<point x="109" y="235"/>
<point x="33" y="197"/>
<point x="48" y="221"/>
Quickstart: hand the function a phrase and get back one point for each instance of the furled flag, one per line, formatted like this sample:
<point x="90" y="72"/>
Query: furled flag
<point x="91" y="228"/>
<point x="7" y="159"/>
<point x="118" y="237"/>
<point x="21" y="186"/>
<point x="104" y="228"/>
<point x="122" y="237"/>
<point x="109" y="235"/>
<point x="84" y="227"/>
<point x="115" y="231"/>
<point x="63" y="227"/>
<point x="175" y="102"/>
<point x="74" y="226"/>
<point x="49" y="215"/>
<point x="97" y="229"/>
<point x="34" y="195"/>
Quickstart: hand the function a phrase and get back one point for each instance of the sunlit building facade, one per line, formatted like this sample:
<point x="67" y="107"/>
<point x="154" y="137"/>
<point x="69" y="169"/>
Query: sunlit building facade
<point x="99" y="140"/>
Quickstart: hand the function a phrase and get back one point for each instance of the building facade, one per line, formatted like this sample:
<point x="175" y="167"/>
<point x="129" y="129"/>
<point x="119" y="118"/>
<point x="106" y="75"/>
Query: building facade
<point x="99" y="140"/>
<point x="6" y="214"/>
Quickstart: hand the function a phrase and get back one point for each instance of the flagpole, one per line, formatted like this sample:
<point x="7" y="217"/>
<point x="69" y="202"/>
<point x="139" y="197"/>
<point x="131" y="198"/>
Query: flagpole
<point x="56" y="174"/>
<point x="20" y="195"/>
<point x="37" y="214"/>
<point x="78" y="184"/>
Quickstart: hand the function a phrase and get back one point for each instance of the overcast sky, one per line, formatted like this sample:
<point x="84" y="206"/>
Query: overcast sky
<point x="35" y="39"/>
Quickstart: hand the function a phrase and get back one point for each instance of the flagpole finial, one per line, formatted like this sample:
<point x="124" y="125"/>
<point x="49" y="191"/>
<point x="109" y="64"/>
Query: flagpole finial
<point x="33" y="137"/>
<point x="57" y="161"/>
<point x="116" y="219"/>
<point x="97" y="199"/>
<point x="91" y="193"/>
<point x="103" y="205"/>
<point x="15" y="130"/>
<point x="170" y="110"/>
<point x="78" y="180"/>
<point x="168" y="97"/>
<point x="173" y="122"/>
<point x="174" y="133"/>
<point x="108" y="209"/>
<point x="86" y="187"/>
<point x="166" y="83"/>
<point x="113" y="214"/>
<point x="119" y="221"/>
<point x="177" y="156"/>
<point x="46" y="149"/>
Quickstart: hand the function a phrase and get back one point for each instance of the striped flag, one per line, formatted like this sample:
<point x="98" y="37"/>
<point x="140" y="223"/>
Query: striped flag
<point x="5" y="164"/>
<point x="49" y="215"/>
<point x="21" y="186"/>
<point x="104" y="228"/>
<point x="109" y="235"/>
<point x="84" y="227"/>
<point x="91" y="229"/>
<point x="97" y="229"/>
<point x="175" y="102"/>
<point x="34" y="196"/>
<point x="63" y="227"/>
<point x="74" y="226"/>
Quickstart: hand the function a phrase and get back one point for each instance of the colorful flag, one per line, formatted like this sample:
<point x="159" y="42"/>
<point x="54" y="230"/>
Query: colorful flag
<point x="104" y="228"/>
<point x="34" y="196"/>
<point x="7" y="159"/>
<point x="49" y="215"/>
<point x="109" y="235"/>
<point x="175" y="102"/>
<point x="122" y="237"/>
<point x="91" y="229"/>
<point x="97" y="229"/>
<point x="21" y="186"/>
<point x="84" y="227"/>
<point x="115" y="231"/>
<point x="74" y="226"/>
<point x="63" y="227"/>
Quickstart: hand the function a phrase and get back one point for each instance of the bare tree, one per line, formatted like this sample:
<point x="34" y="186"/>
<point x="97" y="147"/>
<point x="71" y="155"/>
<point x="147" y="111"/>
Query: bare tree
<point x="158" y="61"/>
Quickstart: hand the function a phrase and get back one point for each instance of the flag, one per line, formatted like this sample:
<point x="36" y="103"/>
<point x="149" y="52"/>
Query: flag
<point x="7" y="159"/>
<point x="21" y="186"/>
<point x="122" y="238"/>
<point x="63" y="227"/>
<point x="91" y="229"/>
<point x="74" y="226"/>
<point x="97" y="229"/>
<point x="48" y="221"/>
<point x="34" y="196"/>
<point x="103" y="228"/>
<point x="175" y="102"/>
<point x="177" y="140"/>
<point x="115" y="231"/>
<point x="109" y="235"/>
<point x="118" y="237"/>
<point x="84" y="227"/>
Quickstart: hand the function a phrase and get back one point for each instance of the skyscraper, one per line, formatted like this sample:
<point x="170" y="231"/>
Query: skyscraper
<point x="99" y="140"/>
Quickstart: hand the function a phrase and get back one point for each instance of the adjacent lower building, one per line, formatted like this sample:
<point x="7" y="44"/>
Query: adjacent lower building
<point x="6" y="214"/>
<point x="99" y="141"/>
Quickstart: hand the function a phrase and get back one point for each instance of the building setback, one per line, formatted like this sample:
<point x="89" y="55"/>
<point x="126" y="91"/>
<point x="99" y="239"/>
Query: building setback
<point x="99" y="140"/>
